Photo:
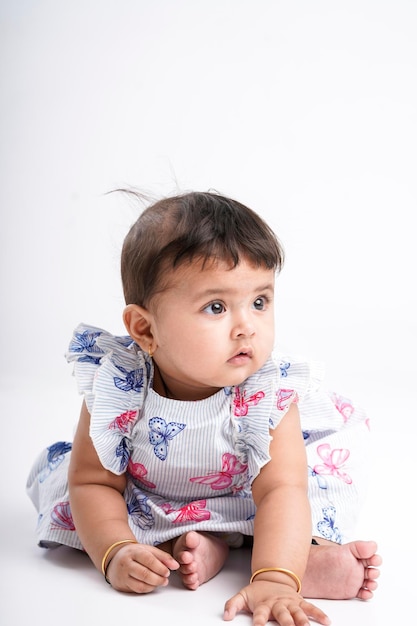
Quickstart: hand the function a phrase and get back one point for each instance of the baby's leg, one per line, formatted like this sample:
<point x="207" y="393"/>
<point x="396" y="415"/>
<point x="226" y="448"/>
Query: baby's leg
<point x="200" y="555"/>
<point x="338" y="472"/>
<point x="341" y="572"/>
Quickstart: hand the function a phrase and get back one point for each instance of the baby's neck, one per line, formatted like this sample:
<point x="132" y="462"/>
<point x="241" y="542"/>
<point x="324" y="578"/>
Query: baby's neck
<point x="175" y="390"/>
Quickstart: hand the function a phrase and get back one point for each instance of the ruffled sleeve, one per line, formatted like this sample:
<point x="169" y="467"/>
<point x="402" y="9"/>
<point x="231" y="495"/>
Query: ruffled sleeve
<point x="262" y="401"/>
<point x="113" y="374"/>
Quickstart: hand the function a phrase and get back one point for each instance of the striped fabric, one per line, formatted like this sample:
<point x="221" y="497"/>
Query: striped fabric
<point x="190" y="465"/>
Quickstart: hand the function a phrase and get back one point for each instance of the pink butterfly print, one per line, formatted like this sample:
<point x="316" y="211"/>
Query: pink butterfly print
<point x="122" y="421"/>
<point x="223" y="479"/>
<point x="285" y="397"/>
<point x="193" y="512"/>
<point x="61" y="516"/>
<point x="343" y="405"/>
<point x="242" y="404"/>
<point x="139" y="471"/>
<point x="333" y="462"/>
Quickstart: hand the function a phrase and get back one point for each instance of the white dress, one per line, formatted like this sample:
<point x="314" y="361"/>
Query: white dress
<point x="190" y="465"/>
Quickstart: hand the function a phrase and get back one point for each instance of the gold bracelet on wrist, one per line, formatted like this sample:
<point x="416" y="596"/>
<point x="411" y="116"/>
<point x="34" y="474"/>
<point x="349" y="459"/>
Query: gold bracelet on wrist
<point x="107" y="552"/>
<point x="278" y="569"/>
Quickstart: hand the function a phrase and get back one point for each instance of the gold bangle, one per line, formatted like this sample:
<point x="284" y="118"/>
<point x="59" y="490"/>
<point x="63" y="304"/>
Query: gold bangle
<point x="107" y="552"/>
<point x="278" y="569"/>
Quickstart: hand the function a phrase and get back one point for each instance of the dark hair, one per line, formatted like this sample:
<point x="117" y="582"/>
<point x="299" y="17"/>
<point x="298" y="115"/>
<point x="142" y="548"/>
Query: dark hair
<point x="202" y="225"/>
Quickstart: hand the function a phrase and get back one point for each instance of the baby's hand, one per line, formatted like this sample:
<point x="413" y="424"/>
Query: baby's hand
<point x="273" y="601"/>
<point x="138" y="568"/>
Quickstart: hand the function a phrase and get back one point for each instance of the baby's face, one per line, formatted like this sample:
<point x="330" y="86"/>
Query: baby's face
<point x="213" y="326"/>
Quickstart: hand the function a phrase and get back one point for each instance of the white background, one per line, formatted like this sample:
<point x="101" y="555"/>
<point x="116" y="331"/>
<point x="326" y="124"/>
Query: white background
<point x="305" y="111"/>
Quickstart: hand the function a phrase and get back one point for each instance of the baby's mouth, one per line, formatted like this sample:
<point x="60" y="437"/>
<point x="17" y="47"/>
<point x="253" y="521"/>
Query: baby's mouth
<point x="244" y="354"/>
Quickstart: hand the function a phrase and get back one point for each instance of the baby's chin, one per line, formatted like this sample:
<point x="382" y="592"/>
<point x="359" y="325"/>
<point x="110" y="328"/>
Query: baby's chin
<point x="240" y="375"/>
<point x="238" y="380"/>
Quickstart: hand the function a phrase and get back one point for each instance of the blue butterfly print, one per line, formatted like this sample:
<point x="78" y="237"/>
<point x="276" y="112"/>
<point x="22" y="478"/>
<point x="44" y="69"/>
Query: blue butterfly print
<point x="55" y="456"/>
<point x="57" y="450"/>
<point x="284" y="367"/>
<point x="322" y="483"/>
<point x="326" y="526"/>
<point x="85" y="341"/>
<point x="133" y="380"/>
<point x="161" y="433"/>
<point x="86" y="358"/>
<point x="122" y="451"/>
<point x="139" y="509"/>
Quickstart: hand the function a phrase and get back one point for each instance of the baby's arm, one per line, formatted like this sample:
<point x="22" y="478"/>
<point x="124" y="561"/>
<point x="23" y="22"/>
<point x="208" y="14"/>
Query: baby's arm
<point x="100" y="517"/>
<point x="282" y="533"/>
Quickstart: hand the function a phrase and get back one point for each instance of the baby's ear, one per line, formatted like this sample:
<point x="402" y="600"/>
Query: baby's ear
<point x="137" y="321"/>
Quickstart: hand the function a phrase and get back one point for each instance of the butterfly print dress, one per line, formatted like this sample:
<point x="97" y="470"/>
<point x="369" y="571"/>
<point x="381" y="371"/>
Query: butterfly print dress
<point x="190" y="465"/>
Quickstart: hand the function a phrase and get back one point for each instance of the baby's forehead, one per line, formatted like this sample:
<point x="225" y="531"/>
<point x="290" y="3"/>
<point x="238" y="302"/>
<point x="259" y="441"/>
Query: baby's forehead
<point x="216" y="275"/>
<point x="216" y="266"/>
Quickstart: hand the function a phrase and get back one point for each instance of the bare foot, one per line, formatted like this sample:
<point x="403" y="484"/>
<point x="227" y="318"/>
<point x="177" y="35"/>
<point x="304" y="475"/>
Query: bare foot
<point x="341" y="572"/>
<point x="200" y="555"/>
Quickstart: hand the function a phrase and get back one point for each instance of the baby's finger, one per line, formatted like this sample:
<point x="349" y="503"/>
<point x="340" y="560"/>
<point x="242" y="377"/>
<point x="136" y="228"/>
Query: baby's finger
<point x="144" y="580"/>
<point x="234" y="605"/>
<point x="154" y="559"/>
<point x="165" y="558"/>
<point x="315" y="613"/>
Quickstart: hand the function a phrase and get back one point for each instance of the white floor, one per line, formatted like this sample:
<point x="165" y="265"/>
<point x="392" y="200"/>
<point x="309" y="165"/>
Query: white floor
<point x="61" y="586"/>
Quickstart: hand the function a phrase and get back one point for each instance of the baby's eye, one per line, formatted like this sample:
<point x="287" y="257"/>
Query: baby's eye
<point x="214" y="308"/>
<point x="260" y="303"/>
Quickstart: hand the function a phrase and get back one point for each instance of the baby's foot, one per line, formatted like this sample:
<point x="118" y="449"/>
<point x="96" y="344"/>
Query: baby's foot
<point x="201" y="556"/>
<point x="341" y="572"/>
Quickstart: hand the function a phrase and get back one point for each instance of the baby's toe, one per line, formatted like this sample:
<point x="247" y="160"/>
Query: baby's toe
<point x="185" y="557"/>
<point x="188" y="568"/>
<point x="371" y="573"/>
<point x="190" y="580"/>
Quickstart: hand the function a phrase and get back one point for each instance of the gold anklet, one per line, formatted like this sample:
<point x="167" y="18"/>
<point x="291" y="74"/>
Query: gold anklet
<point x="278" y="569"/>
